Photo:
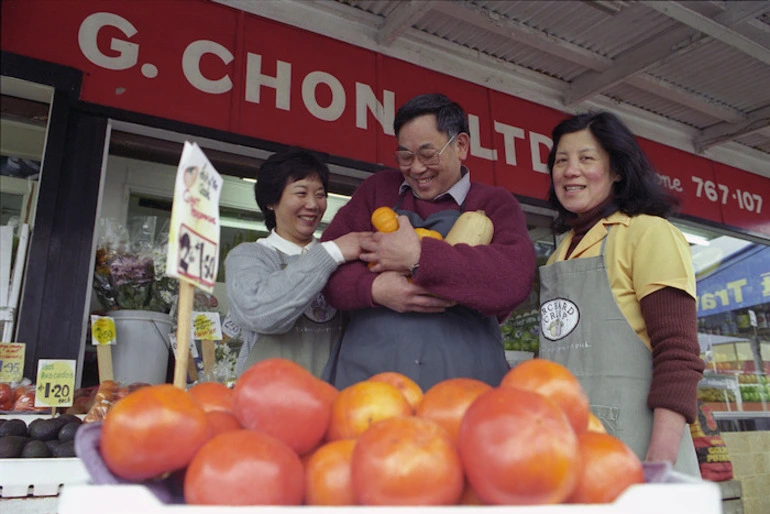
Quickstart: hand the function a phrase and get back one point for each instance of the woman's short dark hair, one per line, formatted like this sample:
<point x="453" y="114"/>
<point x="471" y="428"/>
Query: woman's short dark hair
<point x="281" y="169"/>
<point x="638" y="190"/>
<point x="450" y="117"/>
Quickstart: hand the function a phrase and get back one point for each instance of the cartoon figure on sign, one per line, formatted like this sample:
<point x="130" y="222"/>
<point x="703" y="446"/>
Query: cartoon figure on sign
<point x="190" y="176"/>
<point x="554" y="328"/>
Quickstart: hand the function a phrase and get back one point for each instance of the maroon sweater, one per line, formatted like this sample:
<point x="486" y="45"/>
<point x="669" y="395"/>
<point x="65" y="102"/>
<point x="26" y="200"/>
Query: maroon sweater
<point x="671" y="318"/>
<point x="491" y="279"/>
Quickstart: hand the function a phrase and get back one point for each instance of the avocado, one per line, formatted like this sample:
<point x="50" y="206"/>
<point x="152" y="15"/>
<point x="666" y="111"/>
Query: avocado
<point x="43" y="429"/>
<point x="11" y="446"/>
<point x="67" y="432"/>
<point x="35" y="449"/>
<point x="69" y="418"/>
<point x="52" y="444"/>
<point x="65" y="449"/>
<point x="13" y="427"/>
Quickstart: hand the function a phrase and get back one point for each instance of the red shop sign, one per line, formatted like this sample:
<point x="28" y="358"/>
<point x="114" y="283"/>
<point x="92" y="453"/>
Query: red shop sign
<point x="210" y="65"/>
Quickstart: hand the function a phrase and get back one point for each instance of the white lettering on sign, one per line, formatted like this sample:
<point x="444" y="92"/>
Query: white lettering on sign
<point x="720" y="193"/>
<point x="128" y="53"/>
<point x="191" y="66"/>
<point x="366" y="101"/>
<point x="255" y="80"/>
<point x="334" y="110"/>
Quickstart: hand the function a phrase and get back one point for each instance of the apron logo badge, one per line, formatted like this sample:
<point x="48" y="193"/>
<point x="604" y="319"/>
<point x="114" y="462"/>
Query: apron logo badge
<point x="319" y="311"/>
<point x="558" y="318"/>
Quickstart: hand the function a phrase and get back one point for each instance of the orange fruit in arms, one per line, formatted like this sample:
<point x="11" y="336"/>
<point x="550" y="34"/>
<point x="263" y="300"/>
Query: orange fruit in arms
<point x="327" y="474"/>
<point x="608" y="468"/>
<point x="360" y="405"/>
<point x="446" y="402"/>
<point x="517" y="448"/>
<point x="282" y="399"/>
<point x="244" y="468"/>
<point x="385" y="219"/>
<point x="151" y="431"/>
<point x="556" y="382"/>
<point x="406" y="461"/>
<point x="408" y="387"/>
<point x="595" y="424"/>
<point x="212" y="396"/>
<point x="425" y="232"/>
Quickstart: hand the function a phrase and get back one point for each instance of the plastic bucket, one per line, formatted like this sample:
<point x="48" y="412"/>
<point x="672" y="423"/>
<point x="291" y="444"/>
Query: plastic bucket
<point x="142" y="349"/>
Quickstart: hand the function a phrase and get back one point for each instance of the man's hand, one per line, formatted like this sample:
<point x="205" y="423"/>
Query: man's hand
<point x="394" y="251"/>
<point x="391" y="289"/>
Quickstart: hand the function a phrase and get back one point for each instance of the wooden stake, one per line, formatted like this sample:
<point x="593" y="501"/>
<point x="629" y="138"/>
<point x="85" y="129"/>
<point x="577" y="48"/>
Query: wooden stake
<point x="209" y="358"/>
<point x="184" y="314"/>
<point x="104" y="362"/>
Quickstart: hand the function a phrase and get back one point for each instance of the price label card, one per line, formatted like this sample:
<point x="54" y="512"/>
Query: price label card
<point x="229" y="327"/>
<point x="206" y="326"/>
<point x="102" y="330"/>
<point x="12" y="362"/>
<point x="193" y="347"/>
<point x="193" y="238"/>
<point x="55" y="383"/>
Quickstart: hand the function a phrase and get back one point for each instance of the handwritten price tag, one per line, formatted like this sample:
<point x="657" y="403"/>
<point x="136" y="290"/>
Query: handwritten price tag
<point x="193" y="237"/>
<point x="197" y="257"/>
<point x="102" y="330"/>
<point x="55" y="383"/>
<point x="12" y="362"/>
<point x="206" y="326"/>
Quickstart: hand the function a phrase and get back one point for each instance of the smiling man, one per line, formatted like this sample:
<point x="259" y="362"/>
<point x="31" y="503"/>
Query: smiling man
<point x="425" y="308"/>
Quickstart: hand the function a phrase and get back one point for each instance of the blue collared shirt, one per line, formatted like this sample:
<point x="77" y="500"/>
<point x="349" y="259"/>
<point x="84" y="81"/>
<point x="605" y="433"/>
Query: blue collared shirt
<point x="458" y="191"/>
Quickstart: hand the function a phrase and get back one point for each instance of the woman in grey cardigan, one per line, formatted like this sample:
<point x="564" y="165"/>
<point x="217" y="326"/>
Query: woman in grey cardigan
<point x="274" y="284"/>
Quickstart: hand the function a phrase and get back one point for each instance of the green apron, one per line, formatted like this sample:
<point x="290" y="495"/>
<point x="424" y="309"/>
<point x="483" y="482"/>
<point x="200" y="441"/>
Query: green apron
<point x="426" y="347"/>
<point x="582" y="327"/>
<point x="308" y="342"/>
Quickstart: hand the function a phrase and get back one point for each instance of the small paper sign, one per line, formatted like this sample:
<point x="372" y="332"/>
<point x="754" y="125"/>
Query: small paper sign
<point x="193" y="238"/>
<point x="55" y="383"/>
<point x="102" y="330"/>
<point x="12" y="362"/>
<point x="206" y="326"/>
<point x="193" y="348"/>
<point x="229" y="327"/>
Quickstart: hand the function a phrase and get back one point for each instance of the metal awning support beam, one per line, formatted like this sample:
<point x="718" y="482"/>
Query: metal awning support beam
<point x="711" y="28"/>
<point x="402" y="18"/>
<point x="758" y="120"/>
<point x="516" y="31"/>
<point x="656" y="49"/>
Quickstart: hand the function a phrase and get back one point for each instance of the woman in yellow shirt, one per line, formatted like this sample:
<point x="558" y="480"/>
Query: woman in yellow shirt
<point x="618" y="294"/>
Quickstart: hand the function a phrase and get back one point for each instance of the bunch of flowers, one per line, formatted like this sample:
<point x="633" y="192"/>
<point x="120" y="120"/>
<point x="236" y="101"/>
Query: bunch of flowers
<point x="130" y="266"/>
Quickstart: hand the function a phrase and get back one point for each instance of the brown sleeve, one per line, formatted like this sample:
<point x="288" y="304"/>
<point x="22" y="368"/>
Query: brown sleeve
<point x="671" y="318"/>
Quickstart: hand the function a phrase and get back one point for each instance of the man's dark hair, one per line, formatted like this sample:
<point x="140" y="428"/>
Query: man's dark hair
<point x="450" y="117"/>
<point x="637" y="191"/>
<point x="281" y="169"/>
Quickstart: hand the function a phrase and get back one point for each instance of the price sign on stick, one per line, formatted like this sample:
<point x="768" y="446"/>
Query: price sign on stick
<point x="11" y="362"/>
<point x="103" y="334"/>
<point x="193" y="241"/>
<point x="55" y="383"/>
<point x="193" y="238"/>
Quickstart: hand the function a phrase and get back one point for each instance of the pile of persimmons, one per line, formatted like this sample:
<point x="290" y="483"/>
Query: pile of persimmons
<point x="283" y="437"/>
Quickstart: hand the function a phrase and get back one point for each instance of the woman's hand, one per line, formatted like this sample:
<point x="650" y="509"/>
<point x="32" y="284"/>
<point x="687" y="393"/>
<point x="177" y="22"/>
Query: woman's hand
<point x="350" y="244"/>
<point x="667" y="430"/>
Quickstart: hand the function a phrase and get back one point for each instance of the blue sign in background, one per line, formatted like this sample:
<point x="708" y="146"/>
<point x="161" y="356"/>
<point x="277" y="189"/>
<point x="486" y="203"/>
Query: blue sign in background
<point x="742" y="281"/>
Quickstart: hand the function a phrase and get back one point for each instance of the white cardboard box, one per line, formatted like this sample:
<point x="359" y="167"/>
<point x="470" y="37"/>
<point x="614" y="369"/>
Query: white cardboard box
<point x="701" y="497"/>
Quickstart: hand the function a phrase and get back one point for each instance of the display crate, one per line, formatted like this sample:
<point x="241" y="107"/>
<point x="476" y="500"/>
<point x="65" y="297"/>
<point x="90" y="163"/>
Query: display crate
<point x="663" y="498"/>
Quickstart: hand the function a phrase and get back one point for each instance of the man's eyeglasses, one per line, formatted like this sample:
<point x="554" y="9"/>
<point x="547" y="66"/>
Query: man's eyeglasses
<point x="427" y="156"/>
